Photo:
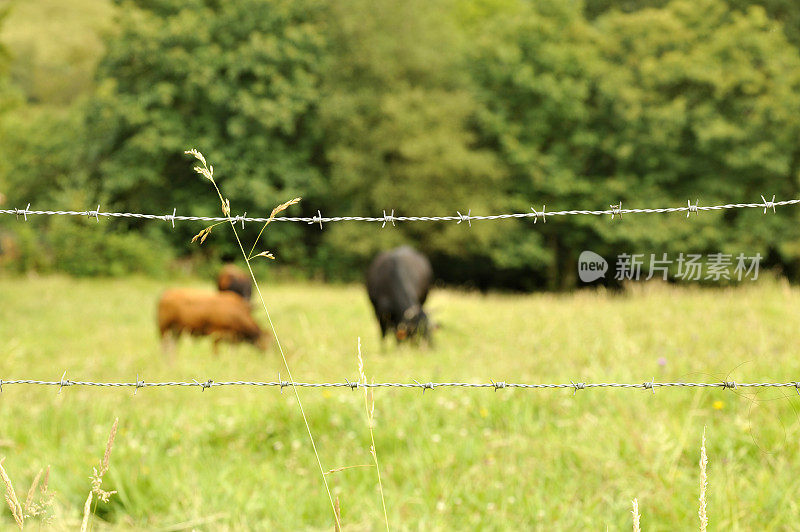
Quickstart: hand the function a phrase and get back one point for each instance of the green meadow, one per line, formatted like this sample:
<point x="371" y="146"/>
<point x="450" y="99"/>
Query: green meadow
<point x="451" y="459"/>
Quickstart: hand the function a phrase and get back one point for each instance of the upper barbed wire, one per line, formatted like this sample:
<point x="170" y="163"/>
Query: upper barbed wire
<point x="615" y="212"/>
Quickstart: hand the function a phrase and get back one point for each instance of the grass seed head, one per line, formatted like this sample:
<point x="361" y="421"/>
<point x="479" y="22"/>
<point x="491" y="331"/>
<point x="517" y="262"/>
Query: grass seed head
<point x="32" y="491"/>
<point x="46" y="480"/>
<point x="197" y="155"/>
<point x="110" y="444"/>
<point x="11" y="497"/>
<point x="202" y="235"/>
<point x="280" y="208"/>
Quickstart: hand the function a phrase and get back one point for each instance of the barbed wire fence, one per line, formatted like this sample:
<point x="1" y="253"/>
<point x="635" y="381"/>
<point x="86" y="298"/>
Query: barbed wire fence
<point x="615" y="211"/>
<point x="355" y="385"/>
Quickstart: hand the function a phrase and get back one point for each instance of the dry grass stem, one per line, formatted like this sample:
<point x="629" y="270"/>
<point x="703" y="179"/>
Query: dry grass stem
<point x="345" y="468"/>
<point x="636" y="515"/>
<point x="336" y="526"/>
<point x="11" y="498"/>
<point x="209" y="174"/>
<point x="369" y="407"/>
<point x="87" y="509"/>
<point x="703" y="484"/>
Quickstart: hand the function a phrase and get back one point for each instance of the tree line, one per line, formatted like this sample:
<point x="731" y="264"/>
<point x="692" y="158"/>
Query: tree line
<point x="428" y="108"/>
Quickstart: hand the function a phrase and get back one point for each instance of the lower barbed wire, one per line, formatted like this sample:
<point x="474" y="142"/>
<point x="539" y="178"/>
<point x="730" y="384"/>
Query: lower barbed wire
<point x="649" y="385"/>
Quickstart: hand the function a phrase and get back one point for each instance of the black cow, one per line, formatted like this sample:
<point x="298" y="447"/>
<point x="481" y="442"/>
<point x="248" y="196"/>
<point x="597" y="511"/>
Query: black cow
<point x="398" y="282"/>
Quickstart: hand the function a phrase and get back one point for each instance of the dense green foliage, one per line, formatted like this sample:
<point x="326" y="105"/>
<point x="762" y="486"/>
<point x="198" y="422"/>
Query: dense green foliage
<point x="433" y="107"/>
<point x="786" y="12"/>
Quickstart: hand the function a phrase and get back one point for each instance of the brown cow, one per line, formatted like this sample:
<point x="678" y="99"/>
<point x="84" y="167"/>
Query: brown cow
<point x="222" y="315"/>
<point x="233" y="279"/>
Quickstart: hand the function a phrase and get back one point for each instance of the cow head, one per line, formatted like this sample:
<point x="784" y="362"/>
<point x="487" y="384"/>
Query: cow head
<point x="263" y="341"/>
<point x="414" y="324"/>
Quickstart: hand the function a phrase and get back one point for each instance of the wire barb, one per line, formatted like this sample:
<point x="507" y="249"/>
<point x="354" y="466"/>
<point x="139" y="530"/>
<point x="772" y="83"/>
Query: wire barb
<point x="386" y="218"/>
<point x="282" y="383"/>
<point x="616" y="210"/>
<point x="139" y="384"/>
<point x="731" y="385"/>
<point x="62" y="383"/>
<point x="578" y="386"/>
<point x="241" y="218"/>
<point x="691" y="208"/>
<point x="170" y="217"/>
<point x="542" y="215"/>
<point x="650" y="385"/>
<point x="24" y="212"/>
<point x="425" y="386"/>
<point x="204" y="385"/>
<point x="768" y="204"/>
<point x="498" y="385"/>
<point x="467" y="218"/>
<point x="317" y="219"/>
<point x="94" y="214"/>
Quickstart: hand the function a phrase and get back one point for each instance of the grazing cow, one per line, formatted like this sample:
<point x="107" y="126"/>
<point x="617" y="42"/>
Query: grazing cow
<point x="233" y="279"/>
<point x="222" y="315"/>
<point x="398" y="282"/>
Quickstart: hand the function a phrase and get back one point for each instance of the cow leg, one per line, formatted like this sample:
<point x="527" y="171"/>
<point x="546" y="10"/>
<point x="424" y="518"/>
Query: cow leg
<point x="217" y="340"/>
<point x="168" y="340"/>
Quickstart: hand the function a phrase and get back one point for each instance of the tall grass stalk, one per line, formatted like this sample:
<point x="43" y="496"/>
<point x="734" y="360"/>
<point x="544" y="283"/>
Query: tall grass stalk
<point x="11" y="498"/>
<point x="32" y="507"/>
<point x="369" y="407"/>
<point x="207" y="171"/>
<point x="703" y="484"/>
<point x="636" y="516"/>
<point x="97" y="493"/>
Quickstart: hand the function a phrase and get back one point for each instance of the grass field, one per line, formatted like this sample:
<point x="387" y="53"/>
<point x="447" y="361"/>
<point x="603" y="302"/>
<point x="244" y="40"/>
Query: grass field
<point x="451" y="459"/>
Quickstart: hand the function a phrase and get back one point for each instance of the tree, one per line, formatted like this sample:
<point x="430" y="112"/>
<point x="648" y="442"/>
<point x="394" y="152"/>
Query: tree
<point x="700" y="102"/>
<point x="786" y="12"/>
<point x="650" y="107"/>
<point x="397" y="117"/>
<point x="238" y="80"/>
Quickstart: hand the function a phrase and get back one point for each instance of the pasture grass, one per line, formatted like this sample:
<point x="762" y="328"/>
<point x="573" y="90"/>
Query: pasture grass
<point x="451" y="459"/>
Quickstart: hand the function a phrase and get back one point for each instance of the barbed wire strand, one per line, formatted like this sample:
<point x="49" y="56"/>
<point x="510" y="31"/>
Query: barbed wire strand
<point x="355" y="384"/>
<point x="613" y="211"/>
